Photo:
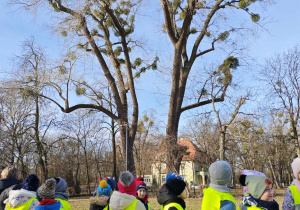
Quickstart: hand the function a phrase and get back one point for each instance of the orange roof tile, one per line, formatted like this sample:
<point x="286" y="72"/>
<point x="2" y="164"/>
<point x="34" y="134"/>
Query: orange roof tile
<point x="191" y="151"/>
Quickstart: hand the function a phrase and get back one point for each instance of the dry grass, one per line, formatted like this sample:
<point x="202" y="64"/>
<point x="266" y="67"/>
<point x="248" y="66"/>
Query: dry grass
<point x="191" y="203"/>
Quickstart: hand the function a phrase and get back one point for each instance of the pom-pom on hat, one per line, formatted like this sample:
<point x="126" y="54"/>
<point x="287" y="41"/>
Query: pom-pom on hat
<point x="173" y="176"/>
<point x="47" y="190"/>
<point x="31" y="182"/>
<point x="256" y="184"/>
<point x="140" y="183"/>
<point x="127" y="183"/>
<point x="104" y="189"/>
<point x="177" y="185"/>
<point x="220" y="172"/>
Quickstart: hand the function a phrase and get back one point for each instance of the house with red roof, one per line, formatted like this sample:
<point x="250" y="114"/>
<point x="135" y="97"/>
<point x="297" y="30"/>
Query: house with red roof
<point x="193" y="166"/>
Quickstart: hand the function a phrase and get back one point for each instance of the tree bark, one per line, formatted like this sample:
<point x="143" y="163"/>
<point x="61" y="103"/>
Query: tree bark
<point x="113" y="139"/>
<point x="222" y="145"/>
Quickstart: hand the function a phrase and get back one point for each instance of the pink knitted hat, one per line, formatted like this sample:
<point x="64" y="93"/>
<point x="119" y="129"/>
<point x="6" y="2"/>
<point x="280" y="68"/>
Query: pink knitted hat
<point x="127" y="183"/>
<point x="296" y="167"/>
<point x="296" y="171"/>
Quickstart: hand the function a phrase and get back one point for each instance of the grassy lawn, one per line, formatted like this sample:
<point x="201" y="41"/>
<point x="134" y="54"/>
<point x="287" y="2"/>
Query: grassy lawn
<point x="191" y="203"/>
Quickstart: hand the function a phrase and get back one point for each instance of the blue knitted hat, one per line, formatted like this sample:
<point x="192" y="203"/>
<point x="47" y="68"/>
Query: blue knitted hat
<point x="111" y="182"/>
<point x="104" y="189"/>
<point x="173" y="176"/>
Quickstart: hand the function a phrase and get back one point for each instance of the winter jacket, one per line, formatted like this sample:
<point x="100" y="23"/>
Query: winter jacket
<point x="248" y="202"/>
<point x="52" y="206"/>
<point x="145" y="201"/>
<point x="18" y="198"/>
<point x="166" y="196"/>
<point x="7" y="185"/>
<point x="97" y="204"/>
<point x="119" y="201"/>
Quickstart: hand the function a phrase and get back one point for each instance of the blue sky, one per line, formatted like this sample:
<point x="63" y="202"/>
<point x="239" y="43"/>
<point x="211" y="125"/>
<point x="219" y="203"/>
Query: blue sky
<point x="283" y="33"/>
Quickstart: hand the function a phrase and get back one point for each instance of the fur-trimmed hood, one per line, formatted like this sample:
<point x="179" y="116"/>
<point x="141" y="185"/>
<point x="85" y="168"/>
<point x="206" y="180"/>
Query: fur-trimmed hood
<point x="98" y="202"/>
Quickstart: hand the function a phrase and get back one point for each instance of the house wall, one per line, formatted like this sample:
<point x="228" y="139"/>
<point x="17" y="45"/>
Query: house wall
<point x="187" y="171"/>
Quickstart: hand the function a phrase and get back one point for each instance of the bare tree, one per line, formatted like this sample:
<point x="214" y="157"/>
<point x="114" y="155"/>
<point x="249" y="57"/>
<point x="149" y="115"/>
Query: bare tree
<point x="190" y="23"/>
<point x="222" y="126"/>
<point x="103" y="29"/>
<point x="282" y="75"/>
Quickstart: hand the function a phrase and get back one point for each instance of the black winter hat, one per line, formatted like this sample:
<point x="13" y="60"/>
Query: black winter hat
<point x="176" y="185"/>
<point x="31" y="182"/>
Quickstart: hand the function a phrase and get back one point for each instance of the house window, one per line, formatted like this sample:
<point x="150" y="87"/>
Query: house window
<point x="147" y="179"/>
<point x="163" y="178"/>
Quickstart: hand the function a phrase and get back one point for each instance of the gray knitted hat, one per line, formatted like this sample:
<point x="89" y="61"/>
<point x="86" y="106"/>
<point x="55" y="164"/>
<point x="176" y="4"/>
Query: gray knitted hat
<point x="47" y="190"/>
<point x="220" y="172"/>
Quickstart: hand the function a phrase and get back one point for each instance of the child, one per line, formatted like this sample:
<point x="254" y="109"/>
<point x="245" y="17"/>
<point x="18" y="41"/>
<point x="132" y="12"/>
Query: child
<point x="125" y="199"/>
<point x="292" y="195"/>
<point x="46" y="196"/>
<point x="141" y="192"/>
<point x="61" y="193"/>
<point x="25" y="198"/>
<point x="103" y="193"/>
<point x="172" y="194"/>
<point x="260" y="193"/>
<point x="217" y="195"/>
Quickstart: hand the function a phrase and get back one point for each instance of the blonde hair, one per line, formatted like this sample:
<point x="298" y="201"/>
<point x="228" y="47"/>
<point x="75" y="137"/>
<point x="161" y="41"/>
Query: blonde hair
<point x="10" y="172"/>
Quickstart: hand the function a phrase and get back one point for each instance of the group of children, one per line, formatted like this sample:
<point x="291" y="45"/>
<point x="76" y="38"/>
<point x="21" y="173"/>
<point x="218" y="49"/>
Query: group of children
<point x="258" y="193"/>
<point x="50" y="195"/>
<point x="132" y="193"/>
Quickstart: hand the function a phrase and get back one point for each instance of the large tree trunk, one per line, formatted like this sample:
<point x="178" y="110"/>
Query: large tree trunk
<point x="127" y="142"/>
<point x="179" y="77"/>
<point x="113" y="139"/>
<point x="222" y="145"/>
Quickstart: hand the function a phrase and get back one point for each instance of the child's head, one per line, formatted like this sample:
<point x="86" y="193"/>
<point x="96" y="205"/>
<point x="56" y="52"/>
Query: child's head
<point x="31" y="182"/>
<point x="250" y="172"/>
<point x="296" y="168"/>
<point x="259" y="187"/>
<point x="111" y="182"/>
<point x="177" y="185"/>
<point x="141" y="187"/>
<point x="127" y="183"/>
<point x="104" y="189"/>
<point x="46" y="190"/>
<point x="61" y="185"/>
<point x="220" y="173"/>
<point x="173" y="176"/>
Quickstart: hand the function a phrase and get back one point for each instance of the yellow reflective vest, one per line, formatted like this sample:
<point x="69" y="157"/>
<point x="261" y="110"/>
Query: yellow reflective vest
<point x="296" y="196"/>
<point x="212" y="199"/>
<point x="24" y="206"/>
<point x="132" y="205"/>
<point x="149" y="206"/>
<point x="64" y="204"/>
<point x="169" y="205"/>
<point x="107" y="208"/>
